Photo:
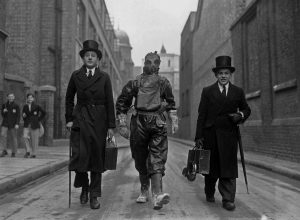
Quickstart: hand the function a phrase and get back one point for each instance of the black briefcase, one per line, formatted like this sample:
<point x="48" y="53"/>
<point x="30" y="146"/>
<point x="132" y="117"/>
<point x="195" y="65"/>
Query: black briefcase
<point x="111" y="154"/>
<point x="198" y="162"/>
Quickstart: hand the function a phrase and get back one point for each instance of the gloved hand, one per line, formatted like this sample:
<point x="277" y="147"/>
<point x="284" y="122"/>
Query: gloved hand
<point x="122" y="126"/>
<point x="199" y="143"/>
<point x="236" y="117"/>
<point x="172" y="114"/>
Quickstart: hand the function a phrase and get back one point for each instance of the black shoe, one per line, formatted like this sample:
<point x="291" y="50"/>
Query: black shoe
<point x="84" y="196"/>
<point x="210" y="199"/>
<point x="13" y="154"/>
<point x="94" y="204"/>
<point x="32" y="156"/>
<point x="4" y="153"/>
<point x="27" y="154"/>
<point x="230" y="206"/>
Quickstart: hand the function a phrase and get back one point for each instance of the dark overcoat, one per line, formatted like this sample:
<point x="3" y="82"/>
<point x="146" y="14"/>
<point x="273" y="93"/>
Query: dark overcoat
<point x="218" y="131"/>
<point x="12" y="116"/>
<point x="92" y="115"/>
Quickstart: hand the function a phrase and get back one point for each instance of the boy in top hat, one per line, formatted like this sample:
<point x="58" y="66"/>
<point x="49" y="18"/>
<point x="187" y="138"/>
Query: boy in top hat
<point x="222" y="107"/>
<point x="90" y="122"/>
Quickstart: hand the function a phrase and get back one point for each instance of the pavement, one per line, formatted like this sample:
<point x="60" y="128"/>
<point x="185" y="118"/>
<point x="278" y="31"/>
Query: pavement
<point x="279" y="166"/>
<point x="18" y="171"/>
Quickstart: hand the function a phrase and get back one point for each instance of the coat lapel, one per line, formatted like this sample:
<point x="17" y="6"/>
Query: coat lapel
<point x="86" y="82"/>
<point x="97" y="75"/>
<point x="81" y="76"/>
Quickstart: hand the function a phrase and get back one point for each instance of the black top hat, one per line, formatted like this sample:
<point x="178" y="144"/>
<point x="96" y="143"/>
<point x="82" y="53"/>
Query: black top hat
<point x="90" y="45"/>
<point x="223" y="62"/>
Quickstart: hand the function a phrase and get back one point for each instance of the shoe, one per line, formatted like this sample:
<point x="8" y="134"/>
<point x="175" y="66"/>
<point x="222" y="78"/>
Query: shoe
<point x="27" y="154"/>
<point x="160" y="200"/>
<point x="94" y="204"/>
<point x="230" y="206"/>
<point x="158" y="197"/>
<point x="84" y="196"/>
<point x="210" y="199"/>
<point x="4" y="153"/>
<point x="32" y="156"/>
<point x="143" y="197"/>
<point x="13" y="154"/>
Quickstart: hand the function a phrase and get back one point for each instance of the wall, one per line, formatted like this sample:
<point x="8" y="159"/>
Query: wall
<point x="265" y="39"/>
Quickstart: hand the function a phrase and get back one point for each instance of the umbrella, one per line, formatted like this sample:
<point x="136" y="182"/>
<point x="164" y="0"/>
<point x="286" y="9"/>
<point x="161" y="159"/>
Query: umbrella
<point x="242" y="156"/>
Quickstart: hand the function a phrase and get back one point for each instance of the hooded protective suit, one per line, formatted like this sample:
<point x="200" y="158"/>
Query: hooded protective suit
<point x="148" y="128"/>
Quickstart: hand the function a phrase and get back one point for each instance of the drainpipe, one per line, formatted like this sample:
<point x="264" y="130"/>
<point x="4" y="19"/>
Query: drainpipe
<point x="58" y="50"/>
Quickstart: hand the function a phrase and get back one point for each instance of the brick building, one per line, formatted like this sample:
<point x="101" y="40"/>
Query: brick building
<point x="169" y="68"/>
<point x="266" y="43"/>
<point x="262" y="37"/>
<point x="186" y="78"/>
<point x="3" y="36"/>
<point x="44" y="39"/>
<point x="126" y="63"/>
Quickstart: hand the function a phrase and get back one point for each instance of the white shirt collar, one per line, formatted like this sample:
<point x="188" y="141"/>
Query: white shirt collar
<point x="221" y="87"/>
<point x="93" y="71"/>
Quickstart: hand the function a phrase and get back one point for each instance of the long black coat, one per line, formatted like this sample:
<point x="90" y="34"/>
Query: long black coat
<point x="218" y="131"/>
<point x="92" y="116"/>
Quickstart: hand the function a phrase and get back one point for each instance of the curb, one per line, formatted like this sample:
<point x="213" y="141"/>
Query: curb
<point x="279" y="170"/>
<point x="31" y="175"/>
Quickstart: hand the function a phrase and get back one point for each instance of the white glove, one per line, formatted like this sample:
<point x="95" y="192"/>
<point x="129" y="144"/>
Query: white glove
<point x="174" y="120"/>
<point x="122" y="126"/>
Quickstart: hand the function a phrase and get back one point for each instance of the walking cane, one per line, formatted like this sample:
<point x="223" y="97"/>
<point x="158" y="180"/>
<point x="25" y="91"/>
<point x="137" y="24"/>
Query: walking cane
<point x="242" y="157"/>
<point x="70" y="155"/>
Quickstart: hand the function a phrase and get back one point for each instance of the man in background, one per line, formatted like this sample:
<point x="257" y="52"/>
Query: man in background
<point x="10" y="112"/>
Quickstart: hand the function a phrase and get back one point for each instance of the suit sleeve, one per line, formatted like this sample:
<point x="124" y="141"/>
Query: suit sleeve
<point x="2" y="113"/>
<point x="23" y="111"/>
<point x="42" y="113"/>
<point x="244" y="107"/>
<point x="69" y="100"/>
<point x="18" y="114"/>
<point x="110" y="107"/>
<point x="168" y="96"/>
<point x="124" y="100"/>
<point x="202" y="114"/>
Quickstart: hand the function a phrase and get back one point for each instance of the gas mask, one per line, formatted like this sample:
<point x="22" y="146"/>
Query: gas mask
<point x="151" y="64"/>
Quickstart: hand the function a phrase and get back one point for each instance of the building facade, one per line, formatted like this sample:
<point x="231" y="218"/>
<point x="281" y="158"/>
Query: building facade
<point x="169" y="68"/>
<point x="126" y="63"/>
<point x="186" y="78"/>
<point x="42" y="50"/>
<point x="3" y="36"/>
<point x="266" y="42"/>
<point x="262" y="37"/>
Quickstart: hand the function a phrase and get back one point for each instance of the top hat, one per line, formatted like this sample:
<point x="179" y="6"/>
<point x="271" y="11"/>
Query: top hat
<point x="223" y="62"/>
<point x="90" y="45"/>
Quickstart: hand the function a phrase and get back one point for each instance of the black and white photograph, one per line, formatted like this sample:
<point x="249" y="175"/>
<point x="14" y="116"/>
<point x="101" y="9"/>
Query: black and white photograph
<point x="139" y="109"/>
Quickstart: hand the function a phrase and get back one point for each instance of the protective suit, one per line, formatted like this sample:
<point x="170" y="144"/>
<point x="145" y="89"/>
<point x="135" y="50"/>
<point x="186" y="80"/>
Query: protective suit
<point x="153" y="100"/>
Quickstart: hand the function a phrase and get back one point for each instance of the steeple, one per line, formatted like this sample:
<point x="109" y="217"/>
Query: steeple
<point x="163" y="49"/>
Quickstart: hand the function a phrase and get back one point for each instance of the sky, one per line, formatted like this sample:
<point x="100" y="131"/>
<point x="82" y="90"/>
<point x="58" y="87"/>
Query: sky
<point x="151" y="23"/>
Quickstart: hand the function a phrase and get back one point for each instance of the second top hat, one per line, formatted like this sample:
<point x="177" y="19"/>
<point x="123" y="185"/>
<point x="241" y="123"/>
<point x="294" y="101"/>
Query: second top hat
<point x="90" y="45"/>
<point x="223" y="62"/>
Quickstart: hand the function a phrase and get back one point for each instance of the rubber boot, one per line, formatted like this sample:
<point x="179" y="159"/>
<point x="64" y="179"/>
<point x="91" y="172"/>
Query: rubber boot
<point x="158" y="197"/>
<point x="143" y="197"/>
